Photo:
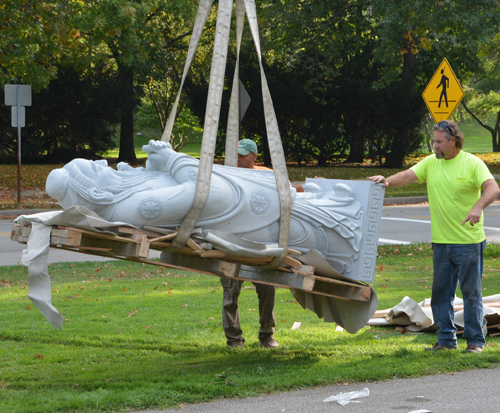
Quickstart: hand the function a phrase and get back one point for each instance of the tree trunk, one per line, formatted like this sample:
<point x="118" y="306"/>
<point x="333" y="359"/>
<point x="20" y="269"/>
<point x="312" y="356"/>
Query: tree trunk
<point x="127" y="150"/>
<point x="495" y="133"/>
<point x="356" y="149"/>
<point x="400" y="149"/>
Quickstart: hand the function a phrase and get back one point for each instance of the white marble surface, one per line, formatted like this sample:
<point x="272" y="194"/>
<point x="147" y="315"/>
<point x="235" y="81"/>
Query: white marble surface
<point x="340" y="219"/>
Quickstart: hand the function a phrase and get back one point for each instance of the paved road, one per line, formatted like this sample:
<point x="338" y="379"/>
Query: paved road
<point x="412" y="223"/>
<point x="469" y="392"/>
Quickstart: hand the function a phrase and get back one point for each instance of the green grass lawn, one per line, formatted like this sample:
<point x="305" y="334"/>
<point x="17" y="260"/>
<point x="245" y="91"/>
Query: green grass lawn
<point x="144" y="337"/>
<point x="477" y="139"/>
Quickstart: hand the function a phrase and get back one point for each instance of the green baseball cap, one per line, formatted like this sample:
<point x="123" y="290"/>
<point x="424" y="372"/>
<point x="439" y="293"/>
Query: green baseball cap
<point x="245" y="146"/>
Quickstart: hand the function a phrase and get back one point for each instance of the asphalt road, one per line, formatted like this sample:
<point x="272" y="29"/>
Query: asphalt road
<point x="412" y="223"/>
<point x="467" y="392"/>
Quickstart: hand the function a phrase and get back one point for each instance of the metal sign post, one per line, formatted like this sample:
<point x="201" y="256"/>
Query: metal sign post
<point x="18" y="96"/>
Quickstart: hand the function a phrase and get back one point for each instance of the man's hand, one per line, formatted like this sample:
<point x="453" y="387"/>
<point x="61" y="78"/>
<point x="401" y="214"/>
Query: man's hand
<point x="378" y="179"/>
<point x="490" y="192"/>
<point x="473" y="216"/>
<point x="400" y="179"/>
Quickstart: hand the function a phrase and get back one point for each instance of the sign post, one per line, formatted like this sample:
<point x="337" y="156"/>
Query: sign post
<point x="18" y="96"/>
<point x="443" y="93"/>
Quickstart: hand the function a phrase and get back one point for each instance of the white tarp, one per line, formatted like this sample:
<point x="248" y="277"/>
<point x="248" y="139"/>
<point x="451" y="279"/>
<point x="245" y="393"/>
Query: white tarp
<point x="418" y="316"/>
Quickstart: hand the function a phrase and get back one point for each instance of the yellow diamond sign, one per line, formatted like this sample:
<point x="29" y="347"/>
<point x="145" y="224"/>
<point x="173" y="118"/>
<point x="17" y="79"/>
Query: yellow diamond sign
<point x="443" y="93"/>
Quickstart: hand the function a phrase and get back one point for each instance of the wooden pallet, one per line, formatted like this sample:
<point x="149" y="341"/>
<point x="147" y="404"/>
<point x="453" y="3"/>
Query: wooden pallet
<point x="134" y="245"/>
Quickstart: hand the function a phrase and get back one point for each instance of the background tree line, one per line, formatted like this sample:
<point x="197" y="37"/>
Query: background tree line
<point x="346" y="76"/>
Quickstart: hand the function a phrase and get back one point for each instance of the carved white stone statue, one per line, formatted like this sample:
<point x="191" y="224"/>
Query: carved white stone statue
<point x="326" y="217"/>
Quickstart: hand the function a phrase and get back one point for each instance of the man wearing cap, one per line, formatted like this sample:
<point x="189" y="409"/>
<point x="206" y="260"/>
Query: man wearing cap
<point x="454" y="183"/>
<point x="247" y="154"/>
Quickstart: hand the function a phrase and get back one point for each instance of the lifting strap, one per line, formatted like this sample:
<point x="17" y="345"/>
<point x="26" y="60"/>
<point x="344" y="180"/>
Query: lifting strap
<point x="212" y="118"/>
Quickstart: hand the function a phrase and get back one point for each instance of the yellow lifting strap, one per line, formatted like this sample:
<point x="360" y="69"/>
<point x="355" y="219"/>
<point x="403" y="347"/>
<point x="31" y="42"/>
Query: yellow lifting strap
<point x="212" y="118"/>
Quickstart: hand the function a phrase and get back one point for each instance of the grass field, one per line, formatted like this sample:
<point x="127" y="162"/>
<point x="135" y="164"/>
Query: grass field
<point x="143" y="337"/>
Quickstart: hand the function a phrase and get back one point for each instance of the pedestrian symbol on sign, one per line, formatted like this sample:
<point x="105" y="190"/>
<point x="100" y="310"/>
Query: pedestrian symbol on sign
<point x="445" y="83"/>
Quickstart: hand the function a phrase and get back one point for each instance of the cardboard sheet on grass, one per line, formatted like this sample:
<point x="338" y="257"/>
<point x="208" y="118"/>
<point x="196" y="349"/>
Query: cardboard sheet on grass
<point x="418" y="316"/>
<point x="351" y="315"/>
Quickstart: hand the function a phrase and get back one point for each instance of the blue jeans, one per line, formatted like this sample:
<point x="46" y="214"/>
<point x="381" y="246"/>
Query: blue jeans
<point x="455" y="263"/>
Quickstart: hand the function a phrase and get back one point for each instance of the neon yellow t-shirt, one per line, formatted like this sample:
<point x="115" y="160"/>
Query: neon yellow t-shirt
<point x="453" y="187"/>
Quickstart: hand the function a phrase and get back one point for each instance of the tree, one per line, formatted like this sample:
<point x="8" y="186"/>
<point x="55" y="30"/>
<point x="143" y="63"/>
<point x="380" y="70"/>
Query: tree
<point x="138" y="39"/>
<point x="381" y="51"/>
<point x="307" y="46"/>
<point x="34" y="36"/>
<point x="139" y="36"/>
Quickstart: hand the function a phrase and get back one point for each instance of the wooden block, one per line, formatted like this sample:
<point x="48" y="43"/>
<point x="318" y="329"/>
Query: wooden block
<point x="159" y="245"/>
<point x="68" y="237"/>
<point x="229" y="269"/>
<point x="304" y="269"/>
<point x="140" y="231"/>
<point x="212" y="254"/>
<point x="277" y="278"/>
<point x="342" y="289"/>
<point x="292" y="262"/>
<point x="20" y="233"/>
<point x="380" y="313"/>
<point x="164" y="237"/>
<point x="193" y="245"/>
<point x="143" y="247"/>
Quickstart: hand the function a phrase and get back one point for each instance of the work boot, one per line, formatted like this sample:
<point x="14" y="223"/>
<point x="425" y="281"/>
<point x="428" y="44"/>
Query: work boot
<point x="438" y="347"/>
<point x="269" y="342"/>
<point x="236" y="344"/>
<point x="472" y="348"/>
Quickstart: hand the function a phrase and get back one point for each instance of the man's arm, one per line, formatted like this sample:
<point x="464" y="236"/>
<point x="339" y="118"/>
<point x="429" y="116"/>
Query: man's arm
<point x="490" y="193"/>
<point x="400" y="179"/>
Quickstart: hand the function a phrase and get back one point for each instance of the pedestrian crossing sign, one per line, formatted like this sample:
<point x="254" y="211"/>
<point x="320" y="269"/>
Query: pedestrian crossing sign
<point x="443" y="93"/>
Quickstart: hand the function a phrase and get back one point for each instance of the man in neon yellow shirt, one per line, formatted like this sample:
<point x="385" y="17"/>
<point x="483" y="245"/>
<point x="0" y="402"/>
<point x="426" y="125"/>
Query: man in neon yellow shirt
<point x="454" y="183"/>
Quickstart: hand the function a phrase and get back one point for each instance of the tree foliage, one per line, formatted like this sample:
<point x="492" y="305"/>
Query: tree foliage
<point x="346" y="76"/>
<point x="130" y="42"/>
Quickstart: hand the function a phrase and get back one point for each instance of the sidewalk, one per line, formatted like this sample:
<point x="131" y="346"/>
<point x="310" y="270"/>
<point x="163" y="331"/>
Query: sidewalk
<point x="465" y="392"/>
